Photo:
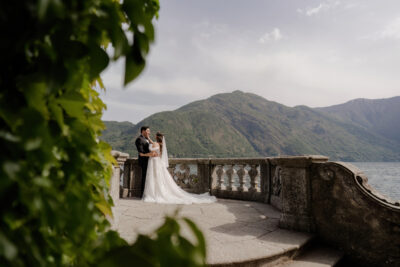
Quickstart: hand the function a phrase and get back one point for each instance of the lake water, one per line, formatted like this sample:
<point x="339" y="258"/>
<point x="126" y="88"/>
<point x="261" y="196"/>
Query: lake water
<point x="383" y="176"/>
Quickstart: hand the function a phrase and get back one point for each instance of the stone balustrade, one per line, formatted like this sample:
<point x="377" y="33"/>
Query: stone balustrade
<point x="244" y="179"/>
<point x="330" y="199"/>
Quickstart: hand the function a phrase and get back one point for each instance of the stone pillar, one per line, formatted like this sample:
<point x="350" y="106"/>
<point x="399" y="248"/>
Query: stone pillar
<point x="126" y="180"/>
<point x="204" y="174"/>
<point x="265" y="181"/>
<point x="135" y="182"/>
<point x="220" y="172"/>
<point x="296" y="191"/>
<point x="115" y="179"/>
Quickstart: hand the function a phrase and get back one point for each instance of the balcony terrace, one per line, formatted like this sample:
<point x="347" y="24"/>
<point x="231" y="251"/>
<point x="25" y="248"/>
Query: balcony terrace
<point x="286" y="211"/>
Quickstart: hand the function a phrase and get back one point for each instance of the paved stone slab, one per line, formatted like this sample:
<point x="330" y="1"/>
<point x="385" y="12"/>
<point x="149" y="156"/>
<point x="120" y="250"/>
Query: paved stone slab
<point x="235" y="231"/>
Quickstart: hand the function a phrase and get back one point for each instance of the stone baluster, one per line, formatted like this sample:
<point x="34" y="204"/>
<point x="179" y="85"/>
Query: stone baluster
<point x="241" y="173"/>
<point x="185" y="173"/>
<point x="265" y="181"/>
<point x="132" y="178"/>
<point x="229" y="173"/>
<point x="171" y="169"/>
<point x="257" y="182"/>
<point x="115" y="179"/>
<point x="219" y="172"/>
<point x="204" y="176"/>
<point x="126" y="179"/>
<point x="136" y="179"/>
<point x="253" y="173"/>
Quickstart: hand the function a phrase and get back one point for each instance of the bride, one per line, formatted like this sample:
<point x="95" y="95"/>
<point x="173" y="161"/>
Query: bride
<point x="160" y="187"/>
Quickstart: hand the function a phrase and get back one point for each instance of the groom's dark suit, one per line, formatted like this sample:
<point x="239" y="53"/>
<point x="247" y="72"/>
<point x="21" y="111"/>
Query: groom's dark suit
<point x="142" y="145"/>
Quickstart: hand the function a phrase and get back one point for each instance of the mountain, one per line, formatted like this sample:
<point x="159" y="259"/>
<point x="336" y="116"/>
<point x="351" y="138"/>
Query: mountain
<point x="381" y="116"/>
<point x="115" y="134"/>
<point x="241" y="124"/>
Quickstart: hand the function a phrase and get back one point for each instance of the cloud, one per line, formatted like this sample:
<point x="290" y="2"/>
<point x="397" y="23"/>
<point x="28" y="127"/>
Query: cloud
<point x="273" y="36"/>
<point x="352" y="5"/>
<point x="392" y="30"/>
<point x="322" y="7"/>
<point x="117" y="110"/>
<point x="316" y="10"/>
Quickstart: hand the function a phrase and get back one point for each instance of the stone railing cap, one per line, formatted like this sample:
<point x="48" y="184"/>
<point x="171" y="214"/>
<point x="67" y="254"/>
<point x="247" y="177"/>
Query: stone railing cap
<point x="298" y="161"/>
<point x="119" y="156"/>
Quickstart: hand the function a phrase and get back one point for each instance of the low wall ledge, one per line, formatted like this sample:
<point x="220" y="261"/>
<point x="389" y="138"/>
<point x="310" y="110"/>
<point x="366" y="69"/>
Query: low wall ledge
<point x="119" y="156"/>
<point x="298" y="161"/>
<point x="362" y="183"/>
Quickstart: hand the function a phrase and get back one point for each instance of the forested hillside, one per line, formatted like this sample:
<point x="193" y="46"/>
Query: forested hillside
<point x="241" y="124"/>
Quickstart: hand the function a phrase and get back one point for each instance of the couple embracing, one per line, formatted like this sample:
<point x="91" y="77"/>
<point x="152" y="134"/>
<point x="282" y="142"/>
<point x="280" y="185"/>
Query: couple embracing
<point x="157" y="183"/>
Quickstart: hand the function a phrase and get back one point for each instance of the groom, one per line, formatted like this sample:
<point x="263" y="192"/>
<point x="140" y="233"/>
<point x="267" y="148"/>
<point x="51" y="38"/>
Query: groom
<point x="142" y="144"/>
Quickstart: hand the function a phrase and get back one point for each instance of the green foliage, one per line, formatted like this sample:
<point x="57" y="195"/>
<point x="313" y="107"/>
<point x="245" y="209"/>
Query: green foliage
<point x="54" y="173"/>
<point x="171" y="248"/>
<point x="246" y="125"/>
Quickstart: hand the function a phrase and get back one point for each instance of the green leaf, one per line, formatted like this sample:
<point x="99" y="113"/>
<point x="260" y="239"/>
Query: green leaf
<point x="104" y="208"/>
<point x="98" y="60"/>
<point x="73" y="104"/>
<point x="7" y="248"/>
<point x="42" y="8"/>
<point x="75" y="49"/>
<point x="119" y="41"/>
<point x="56" y="111"/>
<point x="33" y="143"/>
<point x="134" y="65"/>
<point x="199" y="236"/>
<point x="142" y="42"/>
<point x="11" y="169"/>
<point x="9" y="137"/>
<point x="35" y="94"/>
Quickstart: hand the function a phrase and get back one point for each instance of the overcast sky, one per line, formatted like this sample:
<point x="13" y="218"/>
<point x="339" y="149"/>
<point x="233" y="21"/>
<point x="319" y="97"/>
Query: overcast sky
<point x="295" y="52"/>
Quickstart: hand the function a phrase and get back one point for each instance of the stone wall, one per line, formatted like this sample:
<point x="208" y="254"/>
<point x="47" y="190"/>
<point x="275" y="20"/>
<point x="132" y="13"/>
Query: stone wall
<point x="353" y="217"/>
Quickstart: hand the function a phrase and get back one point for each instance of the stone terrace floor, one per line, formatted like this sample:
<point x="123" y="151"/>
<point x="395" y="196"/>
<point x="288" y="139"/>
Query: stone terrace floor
<point x="235" y="231"/>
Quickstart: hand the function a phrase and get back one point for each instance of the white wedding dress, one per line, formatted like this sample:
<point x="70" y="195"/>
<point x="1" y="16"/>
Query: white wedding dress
<point x="160" y="187"/>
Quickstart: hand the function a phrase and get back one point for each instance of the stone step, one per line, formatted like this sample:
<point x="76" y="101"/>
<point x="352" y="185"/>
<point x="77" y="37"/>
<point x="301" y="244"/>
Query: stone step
<point x="316" y="256"/>
<point x="271" y="249"/>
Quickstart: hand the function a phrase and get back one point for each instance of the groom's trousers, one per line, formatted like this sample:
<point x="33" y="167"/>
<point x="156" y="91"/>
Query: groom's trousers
<point x="143" y="166"/>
